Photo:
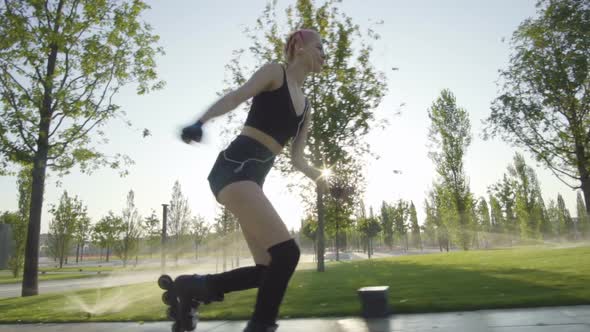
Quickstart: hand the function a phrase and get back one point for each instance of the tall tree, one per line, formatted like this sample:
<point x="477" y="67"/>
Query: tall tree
<point x="528" y="197"/>
<point x="346" y="186"/>
<point x="66" y="216"/>
<point x="544" y="103"/>
<point x="344" y="95"/>
<point x="553" y="216"/>
<point x="435" y="216"/>
<point x="566" y="224"/>
<point x="504" y="192"/>
<point x="152" y="231"/>
<point x="199" y="232"/>
<point x="14" y="221"/>
<point x="496" y="215"/>
<point x="81" y="234"/>
<point x="450" y="135"/>
<point x="107" y="231"/>
<point x="128" y="244"/>
<point x="369" y="226"/>
<point x="225" y="225"/>
<point x="178" y="219"/>
<point x="387" y="224"/>
<point x="19" y="227"/>
<point x="484" y="222"/>
<point x="309" y="230"/>
<point x="61" y="63"/>
<point x="400" y="214"/>
<point x="416" y="237"/>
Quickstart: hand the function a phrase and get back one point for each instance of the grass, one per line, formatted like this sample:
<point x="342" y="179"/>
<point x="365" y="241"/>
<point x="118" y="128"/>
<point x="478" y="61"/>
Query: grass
<point x="509" y="278"/>
<point x="9" y="279"/>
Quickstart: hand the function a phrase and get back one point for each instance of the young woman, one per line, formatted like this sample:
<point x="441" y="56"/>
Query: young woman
<point x="279" y="112"/>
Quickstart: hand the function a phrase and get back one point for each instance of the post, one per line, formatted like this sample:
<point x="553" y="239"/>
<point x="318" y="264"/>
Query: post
<point x="164" y="226"/>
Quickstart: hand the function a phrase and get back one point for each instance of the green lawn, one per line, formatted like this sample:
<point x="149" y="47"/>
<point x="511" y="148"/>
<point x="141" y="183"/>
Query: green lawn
<point x="83" y="268"/>
<point x="509" y="278"/>
<point x="8" y="279"/>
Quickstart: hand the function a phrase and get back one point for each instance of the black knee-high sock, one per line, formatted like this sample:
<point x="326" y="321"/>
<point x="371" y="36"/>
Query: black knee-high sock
<point x="284" y="259"/>
<point x="238" y="279"/>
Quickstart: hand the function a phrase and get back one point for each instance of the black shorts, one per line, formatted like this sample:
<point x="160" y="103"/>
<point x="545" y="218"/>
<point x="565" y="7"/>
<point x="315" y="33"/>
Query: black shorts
<point x="244" y="159"/>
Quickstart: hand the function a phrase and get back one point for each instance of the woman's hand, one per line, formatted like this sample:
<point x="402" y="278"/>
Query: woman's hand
<point x="192" y="133"/>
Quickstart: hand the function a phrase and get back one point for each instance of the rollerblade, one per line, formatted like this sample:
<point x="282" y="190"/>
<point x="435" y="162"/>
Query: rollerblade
<point x="183" y="297"/>
<point x="258" y="327"/>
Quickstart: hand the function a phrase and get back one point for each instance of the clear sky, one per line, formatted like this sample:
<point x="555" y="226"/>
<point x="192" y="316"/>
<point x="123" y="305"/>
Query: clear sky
<point x="436" y="44"/>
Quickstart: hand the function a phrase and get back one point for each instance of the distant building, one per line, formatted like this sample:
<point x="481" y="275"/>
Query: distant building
<point x="6" y="245"/>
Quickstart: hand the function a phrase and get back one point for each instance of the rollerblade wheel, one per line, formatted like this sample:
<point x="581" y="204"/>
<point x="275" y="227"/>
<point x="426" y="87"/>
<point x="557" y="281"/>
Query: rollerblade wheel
<point x="168" y="299"/>
<point x="165" y="282"/>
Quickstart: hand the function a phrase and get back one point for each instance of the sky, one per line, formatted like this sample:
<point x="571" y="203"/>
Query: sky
<point x="457" y="45"/>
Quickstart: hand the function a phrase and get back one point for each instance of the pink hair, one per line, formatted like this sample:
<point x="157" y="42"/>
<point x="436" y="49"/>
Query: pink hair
<point x="290" y="45"/>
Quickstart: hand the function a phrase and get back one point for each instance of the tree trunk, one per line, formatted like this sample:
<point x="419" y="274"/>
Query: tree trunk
<point x="108" y="252"/>
<point x="31" y="268"/>
<point x="586" y="192"/>
<point x="320" y="233"/>
<point x="77" y="252"/>
<point x="82" y="252"/>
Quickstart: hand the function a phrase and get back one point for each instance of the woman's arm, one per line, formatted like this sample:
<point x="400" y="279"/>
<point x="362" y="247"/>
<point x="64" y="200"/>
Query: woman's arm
<point x="262" y="80"/>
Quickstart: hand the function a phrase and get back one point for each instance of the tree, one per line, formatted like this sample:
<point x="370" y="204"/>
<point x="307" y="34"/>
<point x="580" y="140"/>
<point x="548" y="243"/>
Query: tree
<point x="484" y="221"/>
<point x="12" y="219"/>
<point x="19" y="225"/>
<point x="583" y="219"/>
<point x="81" y="234"/>
<point x="400" y="214"/>
<point x="528" y="197"/>
<point x="553" y="216"/>
<point x="128" y="244"/>
<point x="61" y="63"/>
<point x="565" y="222"/>
<point x="450" y="135"/>
<point x="178" y="219"/>
<point x="66" y="216"/>
<point x="346" y="187"/>
<point x="344" y="95"/>
<point x="387" y="224"/>
<point x="543" y="106"/>
<point x="416" y="238"/>
<point x="107" y="231"/>
<point x="369" y="227"/>
<point x="225" y="225"/>
<point x="309" y="230"/>
<point x="199" y="231"/>
<point x="435" y="216"/>
<point x="504" y="192"/>
<point x="151" y="228"/>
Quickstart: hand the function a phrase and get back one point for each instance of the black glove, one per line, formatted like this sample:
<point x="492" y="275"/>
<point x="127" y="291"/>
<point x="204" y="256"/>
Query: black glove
<point x="192" y="133"/>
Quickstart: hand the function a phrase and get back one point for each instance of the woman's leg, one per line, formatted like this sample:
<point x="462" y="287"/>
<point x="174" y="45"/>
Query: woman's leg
<point x="264" y="230"/>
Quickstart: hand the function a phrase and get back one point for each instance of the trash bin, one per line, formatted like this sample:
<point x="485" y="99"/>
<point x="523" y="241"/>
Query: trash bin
<point x="374" y="301"/>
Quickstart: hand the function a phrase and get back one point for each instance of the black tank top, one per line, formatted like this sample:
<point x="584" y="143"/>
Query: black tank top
<point x="273" y="113"/>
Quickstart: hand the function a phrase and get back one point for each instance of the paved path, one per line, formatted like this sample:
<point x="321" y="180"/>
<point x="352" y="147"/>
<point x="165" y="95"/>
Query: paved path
<point x="548" y="319"/>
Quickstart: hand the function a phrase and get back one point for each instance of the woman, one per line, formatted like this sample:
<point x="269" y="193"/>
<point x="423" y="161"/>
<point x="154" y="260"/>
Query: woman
<point x="279" y="112"/>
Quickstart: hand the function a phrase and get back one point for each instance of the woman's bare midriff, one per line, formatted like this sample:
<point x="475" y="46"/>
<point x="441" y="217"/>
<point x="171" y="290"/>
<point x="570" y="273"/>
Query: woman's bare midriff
<point x="263" y="138"/>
